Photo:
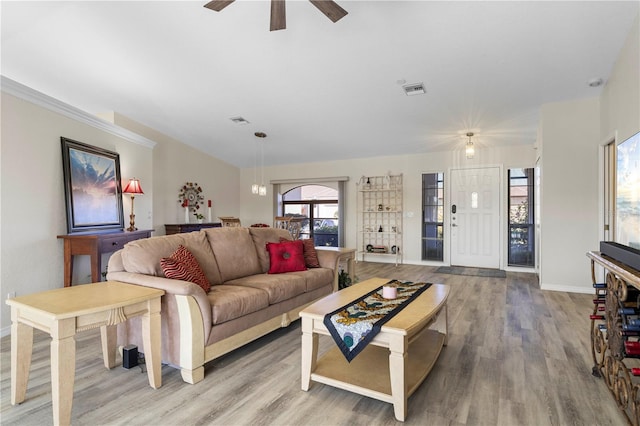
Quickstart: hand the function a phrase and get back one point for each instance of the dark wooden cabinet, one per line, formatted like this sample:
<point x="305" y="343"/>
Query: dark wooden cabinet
<point x="179" y="228"/>
<point x="94" y="245"/>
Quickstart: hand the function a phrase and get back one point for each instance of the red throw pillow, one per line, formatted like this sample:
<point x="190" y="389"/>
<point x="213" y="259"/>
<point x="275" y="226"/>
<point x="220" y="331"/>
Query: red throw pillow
<point x="286" y="257"/>
<point x="182" y="265"/>
<point x="309" y="252"/>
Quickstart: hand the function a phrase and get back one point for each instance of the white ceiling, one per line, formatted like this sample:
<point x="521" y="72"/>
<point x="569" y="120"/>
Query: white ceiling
<point x="321" y="91"/>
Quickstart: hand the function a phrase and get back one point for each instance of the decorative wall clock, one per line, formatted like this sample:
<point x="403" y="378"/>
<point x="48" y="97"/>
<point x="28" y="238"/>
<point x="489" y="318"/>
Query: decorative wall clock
<point x="190" y="195"/>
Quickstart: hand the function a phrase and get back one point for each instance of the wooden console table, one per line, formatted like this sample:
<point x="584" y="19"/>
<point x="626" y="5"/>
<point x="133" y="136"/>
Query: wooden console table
<point x="179" y="228"/>
<point x="614" y="342"/>
<point x="95" y="244"/>
<point x="65" y="311"/>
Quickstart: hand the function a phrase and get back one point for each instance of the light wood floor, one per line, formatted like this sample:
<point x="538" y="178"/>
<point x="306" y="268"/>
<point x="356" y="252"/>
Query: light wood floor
<point x="516" y="356"/>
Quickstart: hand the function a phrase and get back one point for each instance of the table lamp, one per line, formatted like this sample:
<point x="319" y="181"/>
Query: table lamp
<point x="133" y="187"/>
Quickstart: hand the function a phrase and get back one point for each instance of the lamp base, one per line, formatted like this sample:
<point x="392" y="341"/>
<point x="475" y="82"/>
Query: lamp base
<point x="132" y="222"/>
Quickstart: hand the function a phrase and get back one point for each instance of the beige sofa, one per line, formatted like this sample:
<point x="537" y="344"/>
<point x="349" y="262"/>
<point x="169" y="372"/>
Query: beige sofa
<point x="244" y="303"/>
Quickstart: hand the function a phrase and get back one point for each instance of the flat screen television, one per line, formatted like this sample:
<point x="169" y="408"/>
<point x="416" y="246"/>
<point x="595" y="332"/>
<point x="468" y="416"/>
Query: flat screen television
<point x="628" y="192"/>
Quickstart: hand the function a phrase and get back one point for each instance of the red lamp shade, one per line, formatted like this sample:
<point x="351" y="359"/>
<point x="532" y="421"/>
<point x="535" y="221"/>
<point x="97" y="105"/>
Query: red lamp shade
<point x="133" y="187"/>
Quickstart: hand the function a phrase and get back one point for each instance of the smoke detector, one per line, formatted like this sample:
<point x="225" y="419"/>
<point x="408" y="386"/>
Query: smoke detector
<point x="414" y="89"/>
<point x="595" y="82"/>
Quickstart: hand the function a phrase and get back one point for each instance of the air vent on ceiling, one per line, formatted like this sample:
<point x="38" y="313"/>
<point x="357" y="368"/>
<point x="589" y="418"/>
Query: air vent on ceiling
<point x="414" y="89"/>
<point x="239" y="120"/>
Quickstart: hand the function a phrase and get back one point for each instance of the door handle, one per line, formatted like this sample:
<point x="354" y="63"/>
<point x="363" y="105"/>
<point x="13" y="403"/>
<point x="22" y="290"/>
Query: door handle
<point x="454" y="225"/>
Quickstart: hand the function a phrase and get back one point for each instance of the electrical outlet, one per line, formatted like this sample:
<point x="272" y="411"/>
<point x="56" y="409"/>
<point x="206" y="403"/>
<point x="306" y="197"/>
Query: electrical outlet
<point x="11" y="295"/>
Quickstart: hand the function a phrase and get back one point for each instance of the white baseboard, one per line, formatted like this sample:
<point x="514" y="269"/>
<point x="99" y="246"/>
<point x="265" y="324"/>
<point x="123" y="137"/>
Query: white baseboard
<point x="566" y="288"/>
<point x="5" y="331"/>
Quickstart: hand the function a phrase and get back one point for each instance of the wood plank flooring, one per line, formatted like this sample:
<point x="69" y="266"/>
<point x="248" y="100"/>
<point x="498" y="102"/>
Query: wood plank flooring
<point x="516" y="356"/>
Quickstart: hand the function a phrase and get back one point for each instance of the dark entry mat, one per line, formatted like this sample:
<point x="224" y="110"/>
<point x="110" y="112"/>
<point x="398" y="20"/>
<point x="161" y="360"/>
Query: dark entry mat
<point x="474" y="272"/>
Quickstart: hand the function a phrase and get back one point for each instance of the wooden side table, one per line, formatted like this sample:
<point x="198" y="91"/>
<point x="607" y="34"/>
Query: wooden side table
<point x="65" y="311"/>
<point x="95" y="244"/>
<point x="344" y="254"/>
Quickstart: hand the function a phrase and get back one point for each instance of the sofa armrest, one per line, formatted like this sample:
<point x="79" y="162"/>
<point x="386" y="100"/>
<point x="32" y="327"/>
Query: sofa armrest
<point x="116" y="272"/>
<point x="330" y="257"/>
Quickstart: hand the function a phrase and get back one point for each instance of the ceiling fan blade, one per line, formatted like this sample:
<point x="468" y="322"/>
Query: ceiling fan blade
<point x="278" y="15"/>
<point x="330" y="8"/>
<point x="218" y="5"/>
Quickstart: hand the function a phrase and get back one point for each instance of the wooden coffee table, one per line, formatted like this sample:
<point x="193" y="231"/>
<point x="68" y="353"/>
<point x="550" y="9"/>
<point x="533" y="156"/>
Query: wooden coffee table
<point x="396" y="361"/>
<point x="63" y="312"/>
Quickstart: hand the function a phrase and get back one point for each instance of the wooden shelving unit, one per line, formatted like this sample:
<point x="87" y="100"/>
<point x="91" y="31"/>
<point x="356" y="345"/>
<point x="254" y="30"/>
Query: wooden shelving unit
<point x="613" y="345"/>
<point x="380" y="207"/>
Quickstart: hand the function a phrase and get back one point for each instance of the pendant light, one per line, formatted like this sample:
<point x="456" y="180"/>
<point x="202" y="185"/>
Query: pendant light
<point x="469" y="149"/>
<point x="262" y="189"/>
<point x="255" y="186"/>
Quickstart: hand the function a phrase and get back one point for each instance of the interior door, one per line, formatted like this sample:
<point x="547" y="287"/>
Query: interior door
<point x="475" y="217"/>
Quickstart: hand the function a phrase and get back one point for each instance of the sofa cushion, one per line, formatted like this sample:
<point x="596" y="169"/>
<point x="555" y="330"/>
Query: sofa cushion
<point x="316" y="278"/>
<point x="143" y="256"/>
<point x="309" y="252"/>
<point x="262" y="236"/>
<point x="279" y="287"/>
<point x="234" y="252"/>
<point x="286" y="257"/>
<point x="182" y="265"/>
<point x="230" y="302"/>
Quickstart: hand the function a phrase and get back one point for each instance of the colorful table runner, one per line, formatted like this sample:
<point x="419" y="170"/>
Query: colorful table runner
<point x="354" y="325"/>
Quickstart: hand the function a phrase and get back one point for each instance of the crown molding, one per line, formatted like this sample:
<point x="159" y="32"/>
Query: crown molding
<point x="28" y="94"/>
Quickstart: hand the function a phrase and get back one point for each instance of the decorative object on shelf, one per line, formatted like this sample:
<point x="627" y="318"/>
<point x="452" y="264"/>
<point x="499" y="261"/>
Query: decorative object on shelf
<point x="394" y="249"/>
<point x="230" y="221"/>
<point x="133" y="188"/>
<point x="185" y="205"/>
<point x="369" y="248"/>
<point x="199" y="217"/>
<point x="380" y="208"/>
<point x="469" y="149"/>
<point x="389" y="291"/>
<point x="92" y="187"/>
<point x="190" y="196"/>
<point x="209" y="211"/>
<point x="380" y="229"/>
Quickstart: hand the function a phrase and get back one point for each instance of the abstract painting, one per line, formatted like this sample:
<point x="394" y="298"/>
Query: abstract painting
<point x="92" y="187"/>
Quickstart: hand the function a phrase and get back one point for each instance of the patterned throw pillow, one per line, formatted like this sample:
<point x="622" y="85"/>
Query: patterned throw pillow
<point x="285" y="257"/>
<point x="182" y="265"/>
<point x="309" y="252"/>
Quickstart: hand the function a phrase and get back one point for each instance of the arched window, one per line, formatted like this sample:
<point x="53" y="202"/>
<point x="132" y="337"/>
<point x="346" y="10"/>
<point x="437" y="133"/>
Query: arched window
<point x="318" y="204"/>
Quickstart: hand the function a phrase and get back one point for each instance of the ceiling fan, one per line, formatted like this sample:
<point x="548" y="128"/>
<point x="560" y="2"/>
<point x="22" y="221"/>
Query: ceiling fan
<point x="278" y="19"/>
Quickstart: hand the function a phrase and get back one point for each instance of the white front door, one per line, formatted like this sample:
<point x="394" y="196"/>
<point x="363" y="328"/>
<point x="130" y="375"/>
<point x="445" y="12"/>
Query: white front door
<point x="475" y="217"/>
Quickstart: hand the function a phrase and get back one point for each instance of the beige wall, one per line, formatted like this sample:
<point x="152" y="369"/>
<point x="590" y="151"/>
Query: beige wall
<point x="569" y="189"/>
<point x="620" y="100"/>
<point x="175" y="163"/>
<point x="33" y="206"/>
<point x="259" y="209"/>
<point x="571" y="137"/>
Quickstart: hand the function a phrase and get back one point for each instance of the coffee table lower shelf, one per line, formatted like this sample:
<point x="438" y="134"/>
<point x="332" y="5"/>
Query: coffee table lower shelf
<point x="368" y="373"/>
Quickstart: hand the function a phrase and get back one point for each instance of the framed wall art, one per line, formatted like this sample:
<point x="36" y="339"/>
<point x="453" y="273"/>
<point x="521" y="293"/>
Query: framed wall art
<point x="628" y="192"/>
<point x="92" y="187"/>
